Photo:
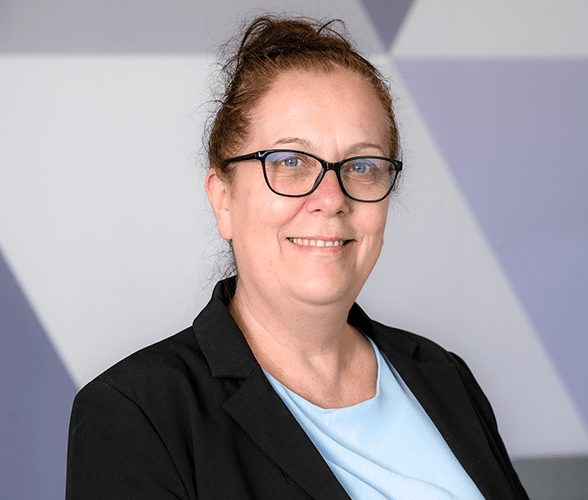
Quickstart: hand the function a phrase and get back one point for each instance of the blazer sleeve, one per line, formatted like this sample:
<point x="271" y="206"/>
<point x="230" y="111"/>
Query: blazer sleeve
<point x="115" y="452"/>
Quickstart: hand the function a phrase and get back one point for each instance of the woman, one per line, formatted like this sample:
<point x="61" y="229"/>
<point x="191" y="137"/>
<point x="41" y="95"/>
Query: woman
<point x="283" y="388"/>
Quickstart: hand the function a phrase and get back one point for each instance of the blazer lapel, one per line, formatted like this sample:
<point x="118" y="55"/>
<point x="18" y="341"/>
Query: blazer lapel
<point x="256" y="407"/>
<point x="265" y="418"/>
<point x="442" y="394"/>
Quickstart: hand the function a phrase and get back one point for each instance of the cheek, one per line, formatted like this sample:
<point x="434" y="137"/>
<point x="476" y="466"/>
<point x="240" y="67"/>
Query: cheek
<point x="374" y="220"/>
<point x="374" y="224"/>
<point x="275" y="212"/>
<point x="382" y="222"/>
<point x="262" y="216"/>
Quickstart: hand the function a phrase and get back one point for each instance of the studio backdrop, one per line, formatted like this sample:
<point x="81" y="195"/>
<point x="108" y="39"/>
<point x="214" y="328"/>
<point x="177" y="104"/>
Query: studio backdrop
<point x="107" y="243"/>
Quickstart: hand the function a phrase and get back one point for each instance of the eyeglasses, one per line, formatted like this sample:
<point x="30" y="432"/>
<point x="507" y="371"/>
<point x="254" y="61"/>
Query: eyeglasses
<point x="295" y="174"/>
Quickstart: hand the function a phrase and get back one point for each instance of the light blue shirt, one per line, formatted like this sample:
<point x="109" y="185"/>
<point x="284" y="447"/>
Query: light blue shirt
<point x="385" y="448"/>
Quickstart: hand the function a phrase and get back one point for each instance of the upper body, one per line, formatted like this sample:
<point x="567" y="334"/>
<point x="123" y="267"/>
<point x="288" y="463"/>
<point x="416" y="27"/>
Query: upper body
<point x="304" y="155"/>
<point x="194" y="416"/>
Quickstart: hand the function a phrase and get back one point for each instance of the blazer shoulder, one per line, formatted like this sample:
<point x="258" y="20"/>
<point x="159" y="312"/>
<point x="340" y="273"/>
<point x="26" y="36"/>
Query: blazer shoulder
<point x="164" y="367"/>
<point x="420" y="348"/>
<point x="425" y="350"/>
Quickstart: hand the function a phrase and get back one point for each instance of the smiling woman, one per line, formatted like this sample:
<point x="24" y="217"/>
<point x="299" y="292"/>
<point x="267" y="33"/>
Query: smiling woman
<point x="283" y="387"/>
<point x="303" y="108"/>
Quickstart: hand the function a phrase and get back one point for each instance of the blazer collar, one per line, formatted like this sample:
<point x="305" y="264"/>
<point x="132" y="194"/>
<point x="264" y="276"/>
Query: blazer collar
<point x="265" y="418"/>
<point x="256" y="407"/>
<point x="224" y="346"/>
<point x="228" y="354"/>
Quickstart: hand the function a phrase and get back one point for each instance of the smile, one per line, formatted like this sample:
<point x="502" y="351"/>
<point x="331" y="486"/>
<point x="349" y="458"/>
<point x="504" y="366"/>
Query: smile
<point x="318" y="243"/>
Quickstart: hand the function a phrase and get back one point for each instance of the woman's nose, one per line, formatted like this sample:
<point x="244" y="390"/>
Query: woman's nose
<point x="328" y="196"/>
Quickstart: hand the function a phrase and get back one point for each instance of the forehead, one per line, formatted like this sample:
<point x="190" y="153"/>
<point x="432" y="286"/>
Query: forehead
<point x="318" y="107"/>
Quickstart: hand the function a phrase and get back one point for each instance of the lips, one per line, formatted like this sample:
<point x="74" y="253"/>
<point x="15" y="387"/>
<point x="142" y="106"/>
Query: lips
<point x="318" y="243"/>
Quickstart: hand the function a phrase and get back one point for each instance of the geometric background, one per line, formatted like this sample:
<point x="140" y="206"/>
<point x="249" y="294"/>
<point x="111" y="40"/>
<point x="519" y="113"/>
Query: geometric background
<point x="514" y="133"/>
<point x="105" y="236"/>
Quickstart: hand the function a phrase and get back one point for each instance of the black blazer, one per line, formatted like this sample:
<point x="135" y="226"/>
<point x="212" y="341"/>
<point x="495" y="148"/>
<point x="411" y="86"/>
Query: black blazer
<point x="193" y="416"/>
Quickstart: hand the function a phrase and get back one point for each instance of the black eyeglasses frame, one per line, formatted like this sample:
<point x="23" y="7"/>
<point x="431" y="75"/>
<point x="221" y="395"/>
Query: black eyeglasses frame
<point x="326" y="166"/>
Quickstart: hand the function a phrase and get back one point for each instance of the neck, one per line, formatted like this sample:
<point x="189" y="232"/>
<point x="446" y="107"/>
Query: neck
<point x="307" y="347"/>
<point x="294" y="324"/>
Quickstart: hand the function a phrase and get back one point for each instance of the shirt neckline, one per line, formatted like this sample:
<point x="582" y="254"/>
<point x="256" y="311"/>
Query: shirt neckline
<point x="300" y="401"/>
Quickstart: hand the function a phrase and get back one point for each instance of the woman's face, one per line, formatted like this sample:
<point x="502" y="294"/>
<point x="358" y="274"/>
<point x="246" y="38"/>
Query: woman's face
<point x="280" y="242"/>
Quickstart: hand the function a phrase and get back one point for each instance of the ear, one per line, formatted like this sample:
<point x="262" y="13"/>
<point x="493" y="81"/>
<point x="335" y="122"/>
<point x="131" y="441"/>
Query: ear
<point x="219" y="197"/>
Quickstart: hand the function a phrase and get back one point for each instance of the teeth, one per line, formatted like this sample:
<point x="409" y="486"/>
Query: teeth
<point x="317" y="243"/>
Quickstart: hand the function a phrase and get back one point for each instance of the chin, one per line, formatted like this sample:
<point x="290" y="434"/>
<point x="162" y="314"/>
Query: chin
<point x="326" y="292"/>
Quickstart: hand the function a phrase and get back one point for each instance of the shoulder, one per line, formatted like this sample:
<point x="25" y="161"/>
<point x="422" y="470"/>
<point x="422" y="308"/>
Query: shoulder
<point x="172" y="354"/>
<point x="167" y="368"/>
<point x="421" y="349"/>
<point x="141" y="412"/>
<point x="388" y="338"/>
<point x="424" y="348"/>
<point x="183" y="372"/>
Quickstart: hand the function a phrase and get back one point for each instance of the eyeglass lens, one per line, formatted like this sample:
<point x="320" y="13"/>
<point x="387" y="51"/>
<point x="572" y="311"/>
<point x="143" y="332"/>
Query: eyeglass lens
<point x="295" y="174"/>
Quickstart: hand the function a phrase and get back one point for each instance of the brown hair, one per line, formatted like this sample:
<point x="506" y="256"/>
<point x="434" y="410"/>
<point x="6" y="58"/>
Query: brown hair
<point x="268" y="46"/>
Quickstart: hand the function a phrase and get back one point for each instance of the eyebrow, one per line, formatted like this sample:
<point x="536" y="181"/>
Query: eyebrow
<point x="293" y="140"/>
<point x="361" y="146"/>
<point x="306" y="144"/>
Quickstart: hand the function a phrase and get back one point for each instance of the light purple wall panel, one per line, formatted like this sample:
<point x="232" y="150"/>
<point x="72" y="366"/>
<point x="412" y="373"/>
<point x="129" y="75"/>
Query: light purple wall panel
<point x="35" y="401"/>
<point x="514" y="134"/>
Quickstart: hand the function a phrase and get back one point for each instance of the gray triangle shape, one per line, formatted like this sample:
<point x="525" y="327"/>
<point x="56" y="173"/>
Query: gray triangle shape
<point x="387" y="16"/>
<point x="36" y="393"/>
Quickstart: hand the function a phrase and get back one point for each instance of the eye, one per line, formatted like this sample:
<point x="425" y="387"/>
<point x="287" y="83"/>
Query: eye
<point x="291" y="161"/>
<point x="362" y="166"/>
<point x="286" y="159"/>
